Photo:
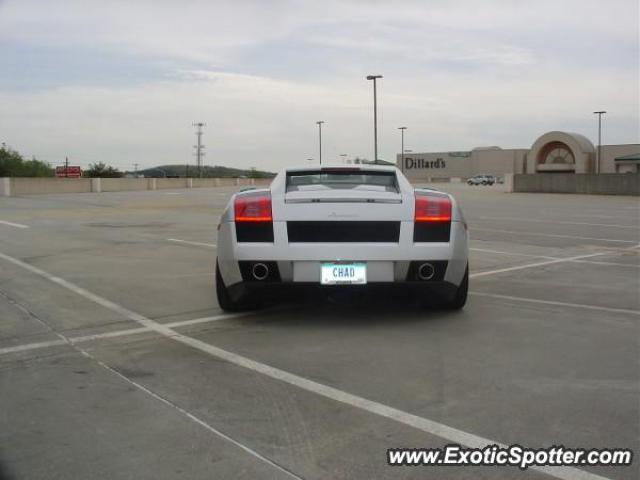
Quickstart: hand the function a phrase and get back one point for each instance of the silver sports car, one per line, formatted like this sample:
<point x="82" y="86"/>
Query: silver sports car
<point x="343" y="228"/>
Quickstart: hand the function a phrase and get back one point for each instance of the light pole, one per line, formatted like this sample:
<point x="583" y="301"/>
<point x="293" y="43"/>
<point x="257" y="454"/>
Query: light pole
<point x="344" y="157"/>
<point x="199" y="146"/>
<point x="402" y="129"/>
<point x="599" y="113"/>
<point x="375" y="116"/>
<point x="320" y="122"/>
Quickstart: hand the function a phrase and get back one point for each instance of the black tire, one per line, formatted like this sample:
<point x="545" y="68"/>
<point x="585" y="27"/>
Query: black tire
<point x="460" y="297"/>
<point x="224" y="299"/>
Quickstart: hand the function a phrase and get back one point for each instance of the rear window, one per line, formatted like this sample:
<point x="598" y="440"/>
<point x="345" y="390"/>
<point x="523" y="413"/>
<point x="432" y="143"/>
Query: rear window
<point x="342" y="179"/>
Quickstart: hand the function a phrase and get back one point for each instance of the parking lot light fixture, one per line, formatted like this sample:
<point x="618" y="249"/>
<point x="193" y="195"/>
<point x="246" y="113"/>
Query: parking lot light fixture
<point x="599" y="156"/>
<point x="375" y="116"/>
<point x="320" y="122"/>
<point x="402" y="129"/>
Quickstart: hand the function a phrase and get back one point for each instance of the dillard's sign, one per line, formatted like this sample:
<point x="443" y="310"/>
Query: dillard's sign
<point x="410" y="163"/>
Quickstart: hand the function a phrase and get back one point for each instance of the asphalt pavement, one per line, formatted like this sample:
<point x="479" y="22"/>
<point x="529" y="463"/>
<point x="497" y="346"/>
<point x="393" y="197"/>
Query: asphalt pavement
<point x="116" y="361"/>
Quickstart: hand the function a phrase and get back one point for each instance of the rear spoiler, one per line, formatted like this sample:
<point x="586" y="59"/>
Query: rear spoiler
<point x="342" y="200"/>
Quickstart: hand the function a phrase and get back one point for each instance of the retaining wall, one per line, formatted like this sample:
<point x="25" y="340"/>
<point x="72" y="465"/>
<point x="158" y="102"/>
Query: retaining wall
<point x="590" y="183"/>
<point x="34" y="185"/>
<point x="123" y="184"/>
<point x="38" y="185"/>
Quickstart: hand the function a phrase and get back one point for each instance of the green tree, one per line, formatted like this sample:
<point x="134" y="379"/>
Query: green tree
<point x="102" y="170"/>
<point x="13" y="165"/>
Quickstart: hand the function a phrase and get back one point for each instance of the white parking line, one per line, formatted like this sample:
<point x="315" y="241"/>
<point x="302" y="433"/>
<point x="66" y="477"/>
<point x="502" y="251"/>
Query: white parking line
<point x="149" y="325"/>
<point x="562" y="222"/>
<point x="11" y="224"/>
<point x="614" y="264"/>
<point x="552" y="235"/>
<point x="215" y="318"/>
<point x="31" y="346"/>
<point x="511" y="253"/>
<point x="117" y="333"/>
<point x="420" y="423"/>
<point x="560" y="304"/>
<point x="537" y="264"/>
<point x="188" y="242"/>
<point x="517" y="254"/>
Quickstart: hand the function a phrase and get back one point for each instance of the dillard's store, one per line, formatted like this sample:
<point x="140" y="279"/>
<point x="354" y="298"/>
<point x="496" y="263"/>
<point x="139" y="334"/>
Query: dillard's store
<point x="552" y="152"/>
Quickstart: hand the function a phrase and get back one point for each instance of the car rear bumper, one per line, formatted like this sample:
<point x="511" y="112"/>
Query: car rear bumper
<point x="301" y="262"/>
<point x="294" y="291"/>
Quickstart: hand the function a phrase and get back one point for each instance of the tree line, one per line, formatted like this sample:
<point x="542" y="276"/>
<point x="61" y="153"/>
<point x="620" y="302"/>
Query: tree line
<point x="13" y="164"/>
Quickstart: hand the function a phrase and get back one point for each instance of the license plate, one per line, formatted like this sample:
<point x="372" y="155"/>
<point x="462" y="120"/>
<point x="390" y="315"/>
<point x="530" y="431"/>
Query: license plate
<point x="344" y="274"/>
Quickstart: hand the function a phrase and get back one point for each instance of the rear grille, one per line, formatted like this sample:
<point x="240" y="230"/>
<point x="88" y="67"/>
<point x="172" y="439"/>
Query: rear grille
<point x="431" y="231"/>
<point x="343" y="231"/>
<point x="254" y="232"/>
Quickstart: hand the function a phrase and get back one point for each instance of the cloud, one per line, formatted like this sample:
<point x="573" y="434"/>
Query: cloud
<point x="458" y="74"/>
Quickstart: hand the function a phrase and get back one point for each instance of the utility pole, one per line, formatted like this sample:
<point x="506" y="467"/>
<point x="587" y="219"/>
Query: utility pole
<point x="66" y="166"/>
<point x="320" y="122"/>
<point x="375" y="116"/>
<point x="599" y="113"/>
<point x="135" y="169"/>
<point x="199" y="146"/>
<point x="402" y="129"/>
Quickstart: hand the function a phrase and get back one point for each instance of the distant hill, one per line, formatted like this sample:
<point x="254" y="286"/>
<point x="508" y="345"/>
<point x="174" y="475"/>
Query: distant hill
<point x="207" y="172"/>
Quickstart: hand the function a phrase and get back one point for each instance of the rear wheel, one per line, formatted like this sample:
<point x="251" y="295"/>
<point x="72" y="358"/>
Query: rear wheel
<point x="224" y="299"/>
<point x="460" y="296"/>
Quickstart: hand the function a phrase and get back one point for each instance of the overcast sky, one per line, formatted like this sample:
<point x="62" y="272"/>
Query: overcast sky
<point x="123" y="81"/>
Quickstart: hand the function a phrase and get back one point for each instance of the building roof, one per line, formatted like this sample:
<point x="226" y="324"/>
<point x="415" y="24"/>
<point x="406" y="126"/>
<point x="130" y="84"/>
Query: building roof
<point x="634" y="157"/>
<point x="579" y="144"/>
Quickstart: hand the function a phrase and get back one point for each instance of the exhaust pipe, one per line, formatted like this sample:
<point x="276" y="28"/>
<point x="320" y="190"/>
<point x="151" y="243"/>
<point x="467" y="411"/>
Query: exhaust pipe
<point x="426" y="271"/>
<point x="260" y="271"/>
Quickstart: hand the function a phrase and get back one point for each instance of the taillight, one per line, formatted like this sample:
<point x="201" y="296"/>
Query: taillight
<point x="253" y="208"/>
<point x="433" y="209"/>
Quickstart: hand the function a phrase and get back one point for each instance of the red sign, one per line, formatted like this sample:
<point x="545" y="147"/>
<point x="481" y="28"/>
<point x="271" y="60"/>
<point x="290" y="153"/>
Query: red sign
<point x="70" y="172"/>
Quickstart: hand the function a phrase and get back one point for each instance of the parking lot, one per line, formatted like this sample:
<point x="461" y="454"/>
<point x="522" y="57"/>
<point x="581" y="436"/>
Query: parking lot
<point x="116" y="361"/>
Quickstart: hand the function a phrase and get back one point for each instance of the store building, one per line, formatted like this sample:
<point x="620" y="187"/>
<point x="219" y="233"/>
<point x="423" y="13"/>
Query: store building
<point x="552" y="152"/>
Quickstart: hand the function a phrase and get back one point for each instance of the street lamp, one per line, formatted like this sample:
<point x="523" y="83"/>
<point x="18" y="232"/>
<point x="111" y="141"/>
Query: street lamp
<point x="599" y="113"/>
<point x="344" y="157"/>
<point x="375" y="116"/>
<point x="320" y="122"/>
<point x="402" y="129"/>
